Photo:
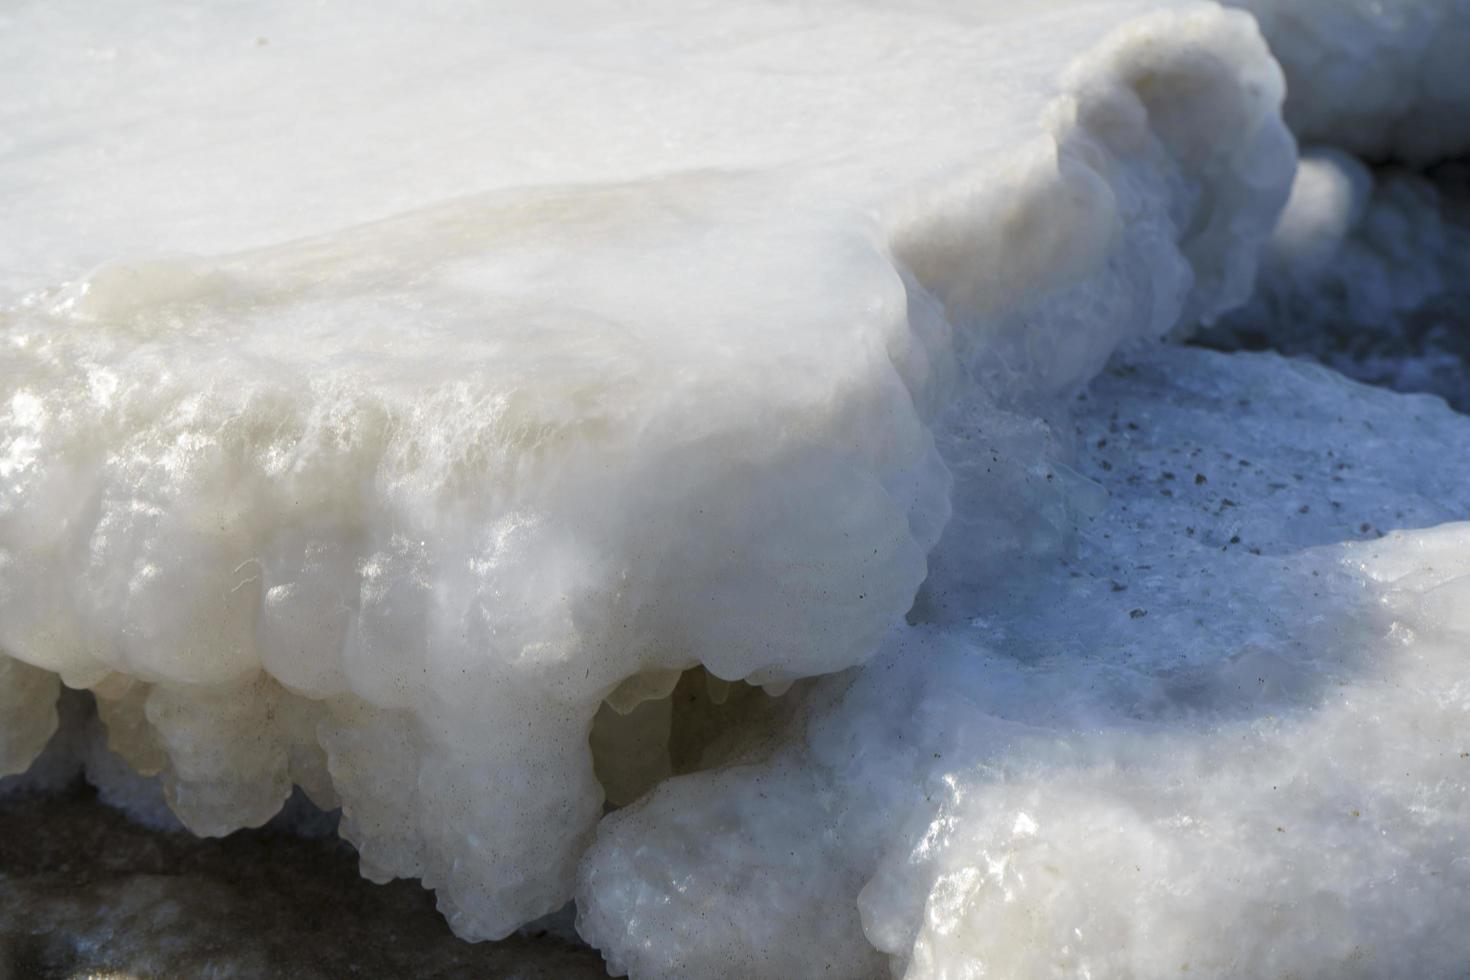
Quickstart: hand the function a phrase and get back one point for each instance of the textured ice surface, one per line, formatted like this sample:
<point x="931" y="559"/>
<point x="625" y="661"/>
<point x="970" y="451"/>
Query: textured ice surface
<point x="1385" y="79"/>
<point x="447" y="372"/>
<point x="1225" y="735"/>
<point x="1369" y="271"/>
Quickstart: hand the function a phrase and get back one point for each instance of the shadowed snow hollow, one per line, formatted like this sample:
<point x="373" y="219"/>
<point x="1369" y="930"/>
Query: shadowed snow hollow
<point x="1368" y="272"/>
<point x="449" y="373"/>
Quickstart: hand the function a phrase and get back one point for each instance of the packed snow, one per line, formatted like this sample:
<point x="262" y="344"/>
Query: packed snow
<point x="718" y="461"/>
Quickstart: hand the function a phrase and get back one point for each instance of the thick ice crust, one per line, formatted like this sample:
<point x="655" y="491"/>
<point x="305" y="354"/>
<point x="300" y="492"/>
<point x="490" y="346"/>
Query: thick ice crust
<point x="388" y="512"/>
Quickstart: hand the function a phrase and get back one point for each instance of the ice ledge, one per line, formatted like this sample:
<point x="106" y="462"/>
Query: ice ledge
<point x="386" y="513"/>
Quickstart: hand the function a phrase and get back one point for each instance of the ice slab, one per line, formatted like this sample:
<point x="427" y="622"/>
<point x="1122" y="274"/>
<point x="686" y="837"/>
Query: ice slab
<point x="449" y="371"/>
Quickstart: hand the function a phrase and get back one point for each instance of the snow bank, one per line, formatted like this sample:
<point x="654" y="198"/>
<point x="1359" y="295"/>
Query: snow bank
<point x="1384" y="79"/>
<point x="1207" y="739"/>
<point x="335" y="482"/>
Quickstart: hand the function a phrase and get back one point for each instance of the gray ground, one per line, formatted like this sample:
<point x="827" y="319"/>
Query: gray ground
<point x="86" y="893"/>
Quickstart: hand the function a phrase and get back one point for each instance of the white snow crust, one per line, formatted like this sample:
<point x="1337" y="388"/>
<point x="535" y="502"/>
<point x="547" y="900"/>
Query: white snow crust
<point x="451" y="371"/>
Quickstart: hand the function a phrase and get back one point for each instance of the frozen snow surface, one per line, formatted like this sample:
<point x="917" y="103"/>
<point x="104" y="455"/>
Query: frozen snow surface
<point x="1384" y="79"/>
<point x="478" y="417"/>
<point x="1223" y="735"/>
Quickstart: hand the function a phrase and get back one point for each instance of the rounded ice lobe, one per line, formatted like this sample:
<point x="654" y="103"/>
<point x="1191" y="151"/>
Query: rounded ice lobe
<point x="1328" y="199"/>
